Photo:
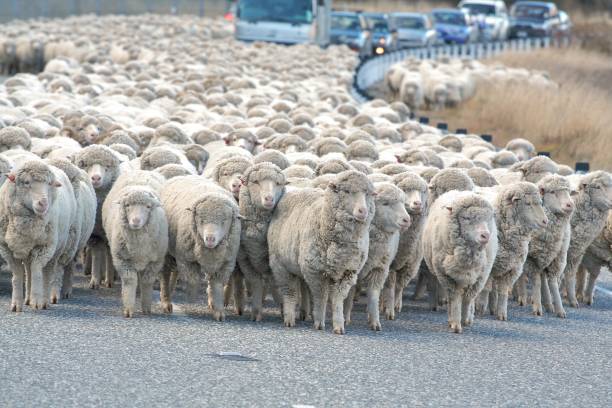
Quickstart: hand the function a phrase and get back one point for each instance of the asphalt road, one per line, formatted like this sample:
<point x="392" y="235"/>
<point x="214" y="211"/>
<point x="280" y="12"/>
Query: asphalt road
<point x="83" y="353"/>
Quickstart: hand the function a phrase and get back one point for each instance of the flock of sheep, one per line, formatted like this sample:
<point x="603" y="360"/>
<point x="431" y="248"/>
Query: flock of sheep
<point x="445" y="83"/>
<point x="174" y="153"/>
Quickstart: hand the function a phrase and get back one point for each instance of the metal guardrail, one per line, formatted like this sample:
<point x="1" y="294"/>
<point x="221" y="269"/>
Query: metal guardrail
<point x="371" y="71"/>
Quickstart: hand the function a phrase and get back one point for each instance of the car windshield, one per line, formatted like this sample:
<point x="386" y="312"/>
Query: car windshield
<point x="345" y="22"/>
<point x="479" y="8"/>
<point x="415" y="23"/>
<point x="530" y="12"/>
<point x="378" y="23"/>
<point x="444" y="17"/>
<point x="285" y="11"/>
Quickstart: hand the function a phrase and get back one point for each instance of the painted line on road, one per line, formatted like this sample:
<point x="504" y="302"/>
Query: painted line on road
<point x="604" y="291"/>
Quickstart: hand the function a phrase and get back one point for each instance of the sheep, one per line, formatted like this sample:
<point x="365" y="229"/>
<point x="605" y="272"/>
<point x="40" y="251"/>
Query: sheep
<point x="546" y="258"/>
<point x="102" y="167"/>
<point x="361" y="150"/>
<point x="518" y="213"/>
<point x="272" y="156"/>
<point x="13" y="137"/>
<point x="37" y="209"/>
<point x="329" y="247"/>
<point x="172" y="170"/>
<point x="592" y="203"/>
<point x="137" y="231"/>
<point x="263" y="187"/>
<point x="228" y="173"/>
<point x="298" y="171"/>
<point x="332" y="166"/>
<point x="204" y="238"/>
<point x="532" y="170"/>
<point x="390" y="217"/>
<point x="447" y="180"/>
<point x="158" y="156"/>
<point x="481" y="177"/>
<point x="598" y="254"/>
<point x="523" y="149"/>
<point x="459" y="248"/>
<point x="86" y="205"/>
<point x="406" y="263"/>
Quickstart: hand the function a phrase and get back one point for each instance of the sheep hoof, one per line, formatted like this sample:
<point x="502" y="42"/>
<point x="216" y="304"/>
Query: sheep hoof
<point x="548" y="307"/>
<point x="467" y="322"/>
<point x="339" y="330"/>
<point x="128" y="313"/>
<point x="16" y="308"/>
<point x="376" y="326"/>
<point x="107" y="284"/>
<point x="218" y="316"/>
<point x="588" y="302"/>
<point x="319" y="325"/>
<point x="537" y="312"/>
<point x="239" y="311"/>
<point x="146" y="312"/>
<point x="54" y="300"/>
<point x="94" y="285"/>
<point x="289" y="323"/>
<point x="389" y="315"/>
<point x="455" y="327"/>
<point x="66" y="295"/>
<point x="522" y="301"/>
<point x="574" y="304"/>
<point x="502" y="317"/>
<point x="27" y="302"/>
<point x="166" y="307"/>
<point x="562" y="314"/>
<point x="257" y="317"/>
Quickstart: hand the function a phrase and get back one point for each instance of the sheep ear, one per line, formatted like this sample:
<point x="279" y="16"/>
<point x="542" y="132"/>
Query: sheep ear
<point x="583" y="186"/>
<point x="398" y="158"/>
<point x="332" y="186"/>
<point x="227" y="141"/>
<point x="55" y="184"/>
<point x="450" y="209"/>
<point x="11" y="177"/>
<point x="542" y="192"/>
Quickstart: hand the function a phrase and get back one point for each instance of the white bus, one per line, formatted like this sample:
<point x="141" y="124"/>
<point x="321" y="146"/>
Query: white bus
<point x="283" y="21"/>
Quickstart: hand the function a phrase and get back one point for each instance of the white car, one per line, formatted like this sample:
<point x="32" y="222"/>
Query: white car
<point x="491" y="17"/>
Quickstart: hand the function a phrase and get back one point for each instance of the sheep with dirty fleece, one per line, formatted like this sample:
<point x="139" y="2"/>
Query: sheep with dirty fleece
<point x="390" y="217"/>
<point x="204" y="238"/>
<point x="37" y="208"/>
<point x="518" y="214"/>
<point x="322" y="238"/>
<point x="459" y="248"/>
<point x="406" y="263"/>
<point x="102" y="166"/>
<point x="263" y="188"/>
<point x="546" y="257"/>
<point x="592" y="203"/>
<point x="137" y="231"/>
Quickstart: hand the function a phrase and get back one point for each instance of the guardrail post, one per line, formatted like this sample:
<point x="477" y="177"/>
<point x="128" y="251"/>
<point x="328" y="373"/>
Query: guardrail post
<point x="201" y="8"/>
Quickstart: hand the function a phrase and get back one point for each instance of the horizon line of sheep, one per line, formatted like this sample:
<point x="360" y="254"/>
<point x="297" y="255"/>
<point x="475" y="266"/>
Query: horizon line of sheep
<point x="249" y="167"/>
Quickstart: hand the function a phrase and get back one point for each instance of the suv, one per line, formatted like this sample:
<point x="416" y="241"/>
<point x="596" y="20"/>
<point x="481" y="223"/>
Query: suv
<point x="384" y="35"/>
<point x="351" y="29"/>
<point x="491" y="16"/>
<point x="534" y="19"/>
<point x="413" y="30"/>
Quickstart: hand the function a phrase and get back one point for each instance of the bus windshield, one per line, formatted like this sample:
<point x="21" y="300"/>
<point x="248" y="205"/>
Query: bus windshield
<point x="284" y="11"/>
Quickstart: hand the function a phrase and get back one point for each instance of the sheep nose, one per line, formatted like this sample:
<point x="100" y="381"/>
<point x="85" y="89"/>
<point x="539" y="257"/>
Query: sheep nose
<point x="483" y="238"/>
<point x="406" y="222"/>
<point x="96" y="178"/>
<point x="236" y="185"/>
<point x="361" y="213"/>
<point x="545" y="221"/>
<point x="210" y="240"/>
<point x="135" y="221"/>
<point x="268" y="201"/>
<point x="416" y="204"/>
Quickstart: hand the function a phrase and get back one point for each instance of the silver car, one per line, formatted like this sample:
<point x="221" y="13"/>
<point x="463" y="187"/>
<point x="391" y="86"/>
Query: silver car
<point x="413" y="30"/>
<point x="491" y="16"/>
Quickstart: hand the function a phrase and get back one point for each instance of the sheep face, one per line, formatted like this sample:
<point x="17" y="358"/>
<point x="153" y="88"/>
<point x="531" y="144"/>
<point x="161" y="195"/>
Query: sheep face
<point x="599" y="189"/>
<point x="558" y="201"/>
<point x="99" y="174"/>
<point x="88" y="133"/>
<point x="354" y="195"/>
<point x="415" y="200"/>
<point x="231" y="182"/>
<point x="529" y="209"/>
<point x="37" y="191"/>
<point x="390" y="213"/>
<point x="474" y="224"/>
<point x="521" y="153"/>
<point x="213" y="222"/>
<point x="137" y="207"/>
<point x="266" y="192"/>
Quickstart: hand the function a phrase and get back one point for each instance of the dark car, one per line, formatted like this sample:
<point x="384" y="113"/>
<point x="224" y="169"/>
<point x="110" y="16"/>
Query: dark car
<point x="384" y="35"/>
<point x="454" y="26"/>
<point x="530" y="19"/>
<point x="351" y="28"/>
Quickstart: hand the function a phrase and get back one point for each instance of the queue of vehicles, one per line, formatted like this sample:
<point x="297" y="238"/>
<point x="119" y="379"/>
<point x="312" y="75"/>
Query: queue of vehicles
<point x="313" y="21"/>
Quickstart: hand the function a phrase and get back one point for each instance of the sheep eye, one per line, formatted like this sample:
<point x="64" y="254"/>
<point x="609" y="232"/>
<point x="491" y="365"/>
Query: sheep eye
<point x="149" y="206"/>
<point x="26" y="183"/>
<point x="256" y="182"/>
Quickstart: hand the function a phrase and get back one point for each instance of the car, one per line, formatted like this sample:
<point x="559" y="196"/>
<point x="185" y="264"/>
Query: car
<point x="491" y="17"/>
<point x="454" y="26"/>
<point x="413" y="30"/>
<point x="564" y="29"/>
<point x="351" y="28"/>
<point x="384" y="35"/>
<point x="530" y="19"/>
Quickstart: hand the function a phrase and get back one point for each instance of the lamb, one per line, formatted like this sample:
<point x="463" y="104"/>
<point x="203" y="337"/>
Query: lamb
<point x="389" y="218"/>
<point x="459" y="248"/>
<point x="406" y="263"/>
<point x="518" y="213"/>
<point x="598" y="254"/>
<point x="592" y="202"/>
<point x="263" y="187"/>
<point x="204" y="238"/>
<point x="86" y="204"/>
<point x="228" y="173"/>
<point x="329" y="248"/>
<point x="37" y="208"/>
<point x="546" y="258"/>
<point x="102" y="166"/>
<point x="137" y="231"/>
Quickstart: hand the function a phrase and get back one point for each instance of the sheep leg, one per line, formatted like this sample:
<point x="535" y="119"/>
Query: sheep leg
<point x="320" y="294"/>
<point x="215" y="286"/>
<point x="590" y="287"/>
<point x="338" y="293"/>
<point x="569" y="279"/>
<point x="536" y="293"/>
<point x="87" y="266"/>
<point x="483" y="301"/>
<point x="28" y="283"/>
<point x="388" y="298"/>
<point x="422" y="285"/>
<point x="239" y="294"/>
<point x="228" y="290"/>
<point x="257" y="288"/>
<point x="553" y="283"/>
<point x="18" y="271"/>
<point x="129" y="283"/>
<point x="56" y="276"/>
<point x="521" y="289"/>
<point x="38" y="300"/>
<point x="305" y="304"/>
<point x="454" y="311"/>
<point x="110" y="268"/>
<point x="165" y="294"/>
<point x="546" y="299"/>
<point x="434" y="293"/>
<point x="467" y="310"/>
<point x="97" y="260"/>
<point x="348" y="304"/>
<point x="501" y="312"/>
<point x="580" y="283"/>
<point x="146" y="292"/>
<point x="373" y="310"/>
<point x="67" y="280"/>
<point x="291" y="291"/>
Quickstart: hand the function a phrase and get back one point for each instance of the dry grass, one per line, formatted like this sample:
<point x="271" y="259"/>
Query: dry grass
<point x="594" y="32"/>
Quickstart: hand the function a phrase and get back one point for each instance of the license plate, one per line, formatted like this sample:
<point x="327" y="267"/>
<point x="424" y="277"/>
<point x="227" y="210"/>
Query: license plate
<point x="521" y="34"/>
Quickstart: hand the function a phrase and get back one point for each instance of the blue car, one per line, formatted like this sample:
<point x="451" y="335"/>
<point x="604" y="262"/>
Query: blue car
<point x="454" y="26"/>
<point x="351" y="28"/>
